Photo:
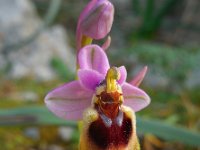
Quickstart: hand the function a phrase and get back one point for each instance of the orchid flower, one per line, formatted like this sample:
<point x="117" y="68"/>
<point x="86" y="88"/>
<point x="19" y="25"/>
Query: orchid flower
<point x="95" y="22"/>
<point x="100" y="95"/>
<point x="68" y="101"/>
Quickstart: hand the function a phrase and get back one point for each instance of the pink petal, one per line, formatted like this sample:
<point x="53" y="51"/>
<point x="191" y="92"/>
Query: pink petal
<point x="93" y="57"/>
<point x="106" y="44"/>
<point x="123" y="75"/>
<point x="90" y="79"/>
<point x="69" y="100"/>
<point x="139" y="77"/>
<point x="134" y="97"/>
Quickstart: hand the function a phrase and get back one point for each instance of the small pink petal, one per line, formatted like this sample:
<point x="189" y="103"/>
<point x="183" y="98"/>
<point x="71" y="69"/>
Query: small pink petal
<point x="139" y="77"/>
<point x="93" y="57"/>
<point x="123" y="75"/>
<point x="89" y="79"/>
<point x="69" y="100"/>
<point x="134" y="97"/>
<point x="106" y="44"/>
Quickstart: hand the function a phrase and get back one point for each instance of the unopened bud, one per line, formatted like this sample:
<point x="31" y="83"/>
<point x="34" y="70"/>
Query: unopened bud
<point x="95" y="21"/>
<point x="97" y="24"/>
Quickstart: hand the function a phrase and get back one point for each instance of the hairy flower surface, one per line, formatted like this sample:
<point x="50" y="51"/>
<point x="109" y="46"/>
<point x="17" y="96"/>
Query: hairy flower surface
<point x="70" y="100"/>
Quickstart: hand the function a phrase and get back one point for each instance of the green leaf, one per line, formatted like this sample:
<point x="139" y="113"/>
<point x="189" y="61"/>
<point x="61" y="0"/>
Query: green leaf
<point x="136" y="6"/>
<point x="39" y="115"/>
<point x="60" y="67"/>
<point x="168" y="132"/>
<point x="34" y="115"/>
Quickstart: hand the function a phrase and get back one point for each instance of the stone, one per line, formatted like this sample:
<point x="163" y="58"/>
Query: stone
<point x="55" y="147"/>
<point x="65" y="133"/>
<point x="18" y="22"/>
<point x="193" y="80"/>
<point x="32" y="132"/>
<point x="24" y="96"/>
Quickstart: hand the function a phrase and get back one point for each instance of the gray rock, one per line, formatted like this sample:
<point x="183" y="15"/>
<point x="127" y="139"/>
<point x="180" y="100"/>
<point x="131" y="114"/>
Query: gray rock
<point x="18" y="22"/>
<point x="193" y="79"/>
<point x="55" y="147"/>
<point x="24" y="96"/>
<point x="66" y="133"/>
<point x="32" y="133"/>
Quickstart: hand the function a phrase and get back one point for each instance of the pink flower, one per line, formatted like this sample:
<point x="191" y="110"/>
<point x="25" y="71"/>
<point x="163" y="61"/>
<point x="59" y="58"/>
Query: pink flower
<point x="95" y="21"/>
<point x="71" y="99"/>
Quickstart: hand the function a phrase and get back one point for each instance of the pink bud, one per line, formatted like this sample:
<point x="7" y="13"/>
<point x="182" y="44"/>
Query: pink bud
<point x="95" y="21"/>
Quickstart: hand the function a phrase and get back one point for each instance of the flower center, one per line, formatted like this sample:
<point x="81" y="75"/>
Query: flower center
<point x="108" y="97"/>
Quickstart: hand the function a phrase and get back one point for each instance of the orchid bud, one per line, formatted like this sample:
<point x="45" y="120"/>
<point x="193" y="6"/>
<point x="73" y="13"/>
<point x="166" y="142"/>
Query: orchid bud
<point x="98" y="22"/>
<point x="95" y="22"/>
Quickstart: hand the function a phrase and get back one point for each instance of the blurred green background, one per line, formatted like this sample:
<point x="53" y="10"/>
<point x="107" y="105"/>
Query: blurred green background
<point x="37" y="53"/>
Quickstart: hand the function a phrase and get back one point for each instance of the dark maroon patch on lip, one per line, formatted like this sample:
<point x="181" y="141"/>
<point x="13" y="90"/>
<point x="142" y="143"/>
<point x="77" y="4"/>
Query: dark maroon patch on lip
<point x="103" y="136"/>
